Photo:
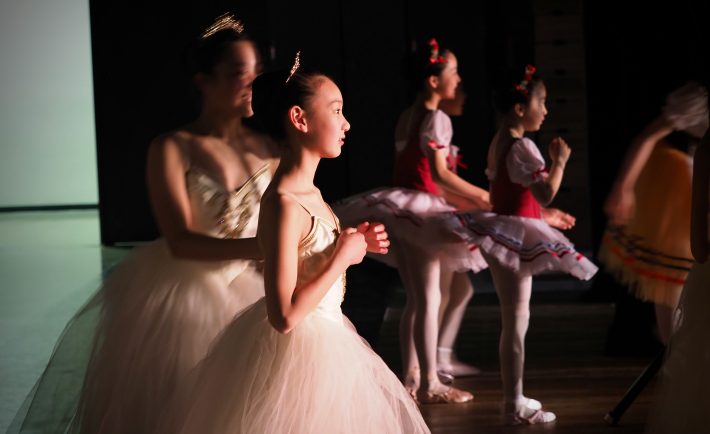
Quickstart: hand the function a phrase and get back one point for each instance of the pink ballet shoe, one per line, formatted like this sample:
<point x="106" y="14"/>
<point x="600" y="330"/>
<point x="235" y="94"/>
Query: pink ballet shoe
<point x="450" y="396"/>
<point x="529" y="414"/>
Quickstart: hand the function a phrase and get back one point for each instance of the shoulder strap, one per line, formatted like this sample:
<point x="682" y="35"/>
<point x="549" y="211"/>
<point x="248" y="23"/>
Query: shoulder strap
<point x="292" y="196"/>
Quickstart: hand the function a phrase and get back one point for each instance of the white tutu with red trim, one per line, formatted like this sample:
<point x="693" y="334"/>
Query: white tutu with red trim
<point x="412" y="218"/>
<point x="526" y="245"/>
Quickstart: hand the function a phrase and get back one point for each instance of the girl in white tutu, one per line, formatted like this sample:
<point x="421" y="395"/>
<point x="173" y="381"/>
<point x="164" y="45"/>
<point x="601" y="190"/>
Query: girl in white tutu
<point x="292" y="363"/>
<point x="427" y="186"/>
<point x="515" y="238"/>
<point x="682" y="401"/>
<point x="169" y="300"/>
<point x="159" y="310"/>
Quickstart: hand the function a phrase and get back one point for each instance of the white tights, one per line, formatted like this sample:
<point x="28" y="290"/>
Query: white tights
<point x="420" y="334"/>
<point x="456" y="292"/>
<point x="514" y="296"/>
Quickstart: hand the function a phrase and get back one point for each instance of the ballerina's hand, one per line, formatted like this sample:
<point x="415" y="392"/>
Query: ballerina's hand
<point x="375" y="236"/>
<point x="559" y="150"/>
<point x="483" y="202"/>
<point x="351" y="246"/>
<point x="558" y="218"/>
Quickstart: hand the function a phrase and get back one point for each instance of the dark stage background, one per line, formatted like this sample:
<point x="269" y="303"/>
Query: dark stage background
<point x="607" y="70"/>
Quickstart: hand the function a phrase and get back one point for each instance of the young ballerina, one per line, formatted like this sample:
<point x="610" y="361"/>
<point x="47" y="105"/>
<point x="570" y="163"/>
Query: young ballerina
<point x="515" y="238"/>
<point x="160" y="309"/>
<point x="426" y="187"/>
<point x="647" y="244"/>
<point x="292" y="362"/>
<point x="455" y="297"/>
<point x="681" y="402"/>
<point x="169" y="300"/>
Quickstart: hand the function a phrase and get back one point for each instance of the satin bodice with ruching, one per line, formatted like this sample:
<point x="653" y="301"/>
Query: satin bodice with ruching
<point x="221" y="213"/>
<point x="314" y="251"/>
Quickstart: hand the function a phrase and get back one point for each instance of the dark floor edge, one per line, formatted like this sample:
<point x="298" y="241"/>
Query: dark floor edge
<point x="67" y="207"/>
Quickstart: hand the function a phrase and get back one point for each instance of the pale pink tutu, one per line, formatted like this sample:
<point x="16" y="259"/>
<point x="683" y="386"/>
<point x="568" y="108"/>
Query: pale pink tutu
<point x="160" y="315"/>
<point x="526" y="245"/>
<point x="412" y="218"/>
<point x="319" y="378"/>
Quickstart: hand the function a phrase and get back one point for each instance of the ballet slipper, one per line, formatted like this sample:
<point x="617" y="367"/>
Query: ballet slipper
<point x="449" y="396"/>
<point x="528" y="413"/>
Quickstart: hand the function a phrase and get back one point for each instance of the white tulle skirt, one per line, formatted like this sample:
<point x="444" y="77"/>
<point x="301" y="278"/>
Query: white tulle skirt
<point x="319" y="378"/>
<point x="525" y="245"/>
<point x="412" y="218"/>
<point x="159" y="316"/>
<point x="682" y="400"/>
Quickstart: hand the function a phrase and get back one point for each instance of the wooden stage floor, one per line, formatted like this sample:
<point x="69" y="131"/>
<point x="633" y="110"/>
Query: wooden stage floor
<point x="565" y="369"/>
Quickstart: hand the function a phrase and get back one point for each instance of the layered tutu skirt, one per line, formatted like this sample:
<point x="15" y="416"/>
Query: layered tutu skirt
<point x="319" y="378"/>
<point x="122" y="355"/>
<point x="160" y="316"/>
<point x="525" y="245"/>
<point x="412" y="218"/>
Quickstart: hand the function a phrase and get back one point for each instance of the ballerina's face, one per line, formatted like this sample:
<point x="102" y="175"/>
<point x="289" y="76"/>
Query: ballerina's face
<point x="327" y="123"/>
<point x="228" y="87"/>
<point x="449" y="78"/>
<point x="535" y="111"/>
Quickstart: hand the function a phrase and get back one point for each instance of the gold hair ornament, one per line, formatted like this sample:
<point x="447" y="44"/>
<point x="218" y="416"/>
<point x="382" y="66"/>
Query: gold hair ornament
<point x="296" y="65"/>
<point x="224" y="21"/>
